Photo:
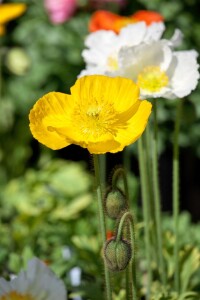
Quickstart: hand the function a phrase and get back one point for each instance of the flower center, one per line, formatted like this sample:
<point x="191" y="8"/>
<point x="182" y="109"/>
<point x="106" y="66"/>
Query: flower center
<point x="95" y="119"/>
<point x="112" y="63"/>
<point x="16" y="296"/>
<point x="152" y="79"/>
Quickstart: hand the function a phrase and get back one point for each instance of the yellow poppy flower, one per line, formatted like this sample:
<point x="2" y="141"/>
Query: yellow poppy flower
<point x="102" y="114"/>
<point x="9" y="12"/>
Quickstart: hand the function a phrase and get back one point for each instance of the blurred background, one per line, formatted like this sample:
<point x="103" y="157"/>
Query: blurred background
<point x="41" y="52"/>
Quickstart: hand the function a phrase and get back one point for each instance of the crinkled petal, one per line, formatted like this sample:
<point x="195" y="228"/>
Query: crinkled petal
<point x="177" y="38"/>
<point x="132" y="60"/>
<point x="183" y="73"/>
<point x="37" y="282"/>
<point x="20" y="283"/>
<point x="90" y="70"/>
<point x="50" y="111"/>
<point x="132" y="34"/>
<point x="103" y="147"/>
<point x="136" y="125"/>
<point x="148" y="94"/>
<point x="122" y="93"/>
<point x="154" y="32"/>
<point x="5" y="287"/>
<point x="100" y="44"/>
<point x="45" y="281"/>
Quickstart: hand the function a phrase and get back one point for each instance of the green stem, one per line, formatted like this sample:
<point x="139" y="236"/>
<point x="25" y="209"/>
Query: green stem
<point x="157" y="195"/>
<point x="145" y="206"/>
<point x="176" y="194"/>
<point x="102" y="222"/>
<point x="148" y="151"/>
<point x="131" y="278"/>
<point x="121" y="173"/>
<point x="102" y="161"/>
<point x="131" y="272"/>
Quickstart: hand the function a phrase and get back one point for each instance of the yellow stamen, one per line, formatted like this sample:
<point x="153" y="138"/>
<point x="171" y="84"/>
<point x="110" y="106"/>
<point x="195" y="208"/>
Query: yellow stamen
<point x="112" y="63"/>
<point x="152" y="79"/>
<point x="16" y="296"/>
<point x="95" y="120"/>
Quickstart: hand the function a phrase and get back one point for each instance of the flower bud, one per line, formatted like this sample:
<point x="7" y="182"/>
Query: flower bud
<point x="117" y="254"/>
<point x="115" y="203"/>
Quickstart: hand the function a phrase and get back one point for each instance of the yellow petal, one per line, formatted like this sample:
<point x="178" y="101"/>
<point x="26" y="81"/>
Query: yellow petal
<point x="135" y="126"/>
<point x="50" y="111"/>
<point x="120" y="92"/>
<point x="103" y="114"/>
<point x="103" y="147"/>
<point x="11" y="11"/>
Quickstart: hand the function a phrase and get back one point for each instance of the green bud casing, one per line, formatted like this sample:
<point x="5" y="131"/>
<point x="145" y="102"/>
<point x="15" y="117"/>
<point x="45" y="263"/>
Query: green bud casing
<point x="115" y="203"/>
<point x="117" y="254"/>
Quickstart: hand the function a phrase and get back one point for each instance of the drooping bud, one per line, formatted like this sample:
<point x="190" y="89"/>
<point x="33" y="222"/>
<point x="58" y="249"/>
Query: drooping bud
<point x="115" y="203"/>
<point x="117" y="254"/>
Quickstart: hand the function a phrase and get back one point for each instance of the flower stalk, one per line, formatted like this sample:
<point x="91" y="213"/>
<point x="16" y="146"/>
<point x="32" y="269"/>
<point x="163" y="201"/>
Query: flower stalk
<point x="146" y="210"/>
<point x="157" y="194"/>
<point x="131" y="282"/>
<point x="102" y="222"/>
<point x="131" y="275"/>
<point x="176" y="194"/>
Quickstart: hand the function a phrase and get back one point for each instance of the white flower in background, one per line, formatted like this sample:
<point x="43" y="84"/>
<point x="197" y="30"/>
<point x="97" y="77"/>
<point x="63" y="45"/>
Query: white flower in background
<point x="104" y="46"/>
<point x="139" y="53"/>
<point x="36" y="283"/>
<point x="158" y="70"/>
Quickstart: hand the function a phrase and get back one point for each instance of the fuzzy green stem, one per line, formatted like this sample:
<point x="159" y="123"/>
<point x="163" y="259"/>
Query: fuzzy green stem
<point x="145" y="206"/>
<point x="102" y="162"/>
<point x="121" y="173"/>
<point x="176" y="194"/>
<point x="102" y="222"/>
<point x="147" y="138"/>
<point x="156" y="190"/>
<point x="131" y="274"/>
<point x="147" y="149"/>
<point x="131" y="278"/>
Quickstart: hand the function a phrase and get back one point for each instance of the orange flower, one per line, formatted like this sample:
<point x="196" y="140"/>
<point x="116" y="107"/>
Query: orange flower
<point x="102" y="19"/>
<point x="106" y="20"/>
<point x="147" y="16"/>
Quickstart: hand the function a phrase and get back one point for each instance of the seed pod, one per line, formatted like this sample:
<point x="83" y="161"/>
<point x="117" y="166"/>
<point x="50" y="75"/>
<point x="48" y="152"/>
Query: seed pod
<point x="117" y="254"/>
<point x="115" y="203"/>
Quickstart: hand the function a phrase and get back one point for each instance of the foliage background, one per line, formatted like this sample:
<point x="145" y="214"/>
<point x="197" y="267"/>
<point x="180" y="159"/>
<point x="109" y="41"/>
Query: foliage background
<point x="36" y="183"/>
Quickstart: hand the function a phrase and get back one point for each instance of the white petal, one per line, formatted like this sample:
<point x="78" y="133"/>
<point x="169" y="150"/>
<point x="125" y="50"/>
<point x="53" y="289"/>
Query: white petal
<point x="184" y="73"/>
<point x="100" y="44"/>
<point x="92" y="71"/>
<point x="177" y="38"/>
<point x="20" y="283"/>
<point x="154" y="32"/>
<point x="4" y="287"/>
<point x="44" y="281"/>
<point x="161" y="94"/>
<point x="132" y="60"/>
<point x="133" y="34"/>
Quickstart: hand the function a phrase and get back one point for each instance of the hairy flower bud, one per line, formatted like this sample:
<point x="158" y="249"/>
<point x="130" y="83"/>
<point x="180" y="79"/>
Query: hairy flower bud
<point x="115" y="203"/>
<point x="117" y="254"/>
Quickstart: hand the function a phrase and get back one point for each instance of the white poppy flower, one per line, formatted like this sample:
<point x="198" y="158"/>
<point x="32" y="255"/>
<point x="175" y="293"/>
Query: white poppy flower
<point x="139" y="53"/>
<point x="36" y="283"/>
<point x="158" y="70"/>
<point x="104" y="46"/>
